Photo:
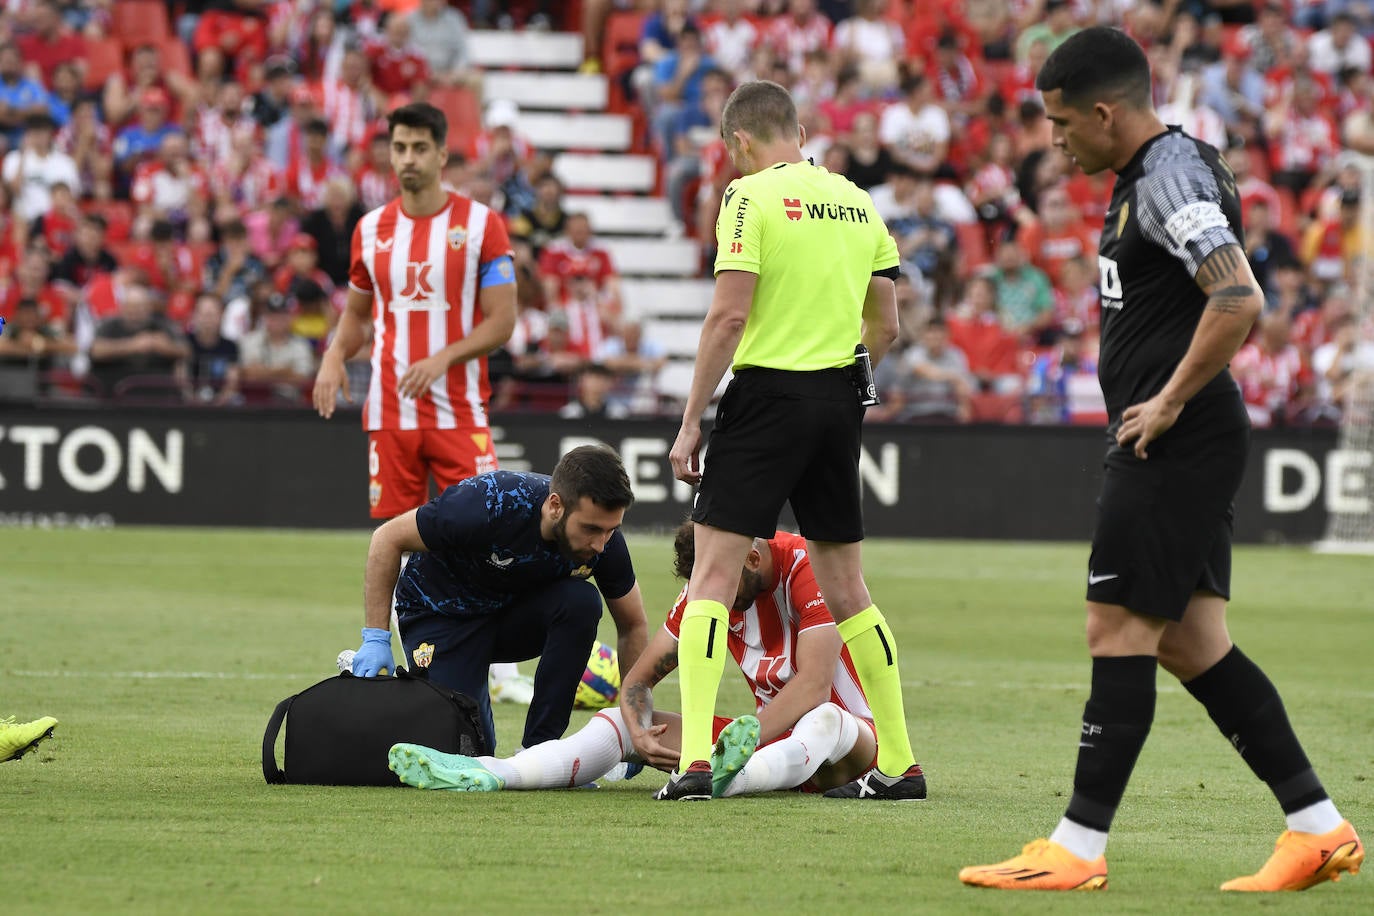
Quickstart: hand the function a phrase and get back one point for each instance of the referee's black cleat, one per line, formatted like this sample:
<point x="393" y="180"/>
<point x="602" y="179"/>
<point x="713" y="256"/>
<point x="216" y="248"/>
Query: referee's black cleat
<point x="693" y="784"/>
<point x="874" y="785"/>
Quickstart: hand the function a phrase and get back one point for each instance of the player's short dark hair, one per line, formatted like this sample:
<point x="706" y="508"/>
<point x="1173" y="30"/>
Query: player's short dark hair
<point x="1097" y="64"/>
<point x="593" y="471"/>
<point x="761" y="108"/>
<point x="420" y="116"/>
<point x="684" y="550"/>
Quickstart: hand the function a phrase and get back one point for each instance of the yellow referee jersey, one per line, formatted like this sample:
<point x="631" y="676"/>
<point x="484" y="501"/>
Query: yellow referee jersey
<point x="814" y="240"/>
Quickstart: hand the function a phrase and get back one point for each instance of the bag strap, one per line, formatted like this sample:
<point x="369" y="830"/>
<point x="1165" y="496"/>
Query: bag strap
<point x="270" y="771"/>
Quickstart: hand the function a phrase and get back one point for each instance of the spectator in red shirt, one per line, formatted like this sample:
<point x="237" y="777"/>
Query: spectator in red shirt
<point x="307" y="173"/>
<point x="51" y="43"/>
<point x="1270" y="373"/>
<point x="172" y="269"/>
<point x="976" y="328"/>
<point x="577" y="253"/>
<point x="1315" y="327"/>
<point x="1057" y="235"/>
<point x="31" y="281"/>
<point x="145" y="71"/>
<point x="846" y="104"/>
<point x="57" y="227"/>
<point x="376" y="180"/>
<point x="1302" y="136"/>
<point x="87" y="258"/>
<point x="302" y="263"/>
<point x="397" y="67"/>
<point x="237" y="30"/>
<point x="172" y="188"/>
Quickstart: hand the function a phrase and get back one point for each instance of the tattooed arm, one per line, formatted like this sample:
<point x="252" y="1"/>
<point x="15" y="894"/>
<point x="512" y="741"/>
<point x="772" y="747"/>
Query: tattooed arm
<point x="655" y="663"/>
<point x="1234" y="300"/>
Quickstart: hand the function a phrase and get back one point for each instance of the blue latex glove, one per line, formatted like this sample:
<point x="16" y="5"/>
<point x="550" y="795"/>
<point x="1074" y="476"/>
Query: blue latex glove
<point x="373" y="657"/>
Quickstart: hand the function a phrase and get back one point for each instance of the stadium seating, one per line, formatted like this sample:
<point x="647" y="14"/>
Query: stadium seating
<point x="549" y="130"/>
<point x="104" y="58"/>
<point x="140" y="22"/>
<point x="621" y="215"/>
<point x="575" y="92"/>
<point x="525" y="50"/>
<point x="600" y="172"/>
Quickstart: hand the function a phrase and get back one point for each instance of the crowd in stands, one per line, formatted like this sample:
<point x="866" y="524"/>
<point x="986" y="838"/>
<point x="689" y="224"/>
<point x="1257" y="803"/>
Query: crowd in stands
<point x="181" y="181"/>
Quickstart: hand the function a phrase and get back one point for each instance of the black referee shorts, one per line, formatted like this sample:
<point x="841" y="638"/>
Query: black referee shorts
<point x="784" y="436"/>
<point x="1164" y="525"/>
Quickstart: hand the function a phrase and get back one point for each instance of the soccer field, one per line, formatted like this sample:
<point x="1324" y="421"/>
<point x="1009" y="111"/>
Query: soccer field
<point x="164" y="651"/>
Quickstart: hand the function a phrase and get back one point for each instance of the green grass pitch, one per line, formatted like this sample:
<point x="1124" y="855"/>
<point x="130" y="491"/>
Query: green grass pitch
<point x="163" y="652"/>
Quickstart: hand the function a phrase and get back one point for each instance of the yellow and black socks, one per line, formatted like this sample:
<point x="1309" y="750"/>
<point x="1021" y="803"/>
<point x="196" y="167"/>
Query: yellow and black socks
<point x="874" y="652"/>
<point x="701" y="652"/>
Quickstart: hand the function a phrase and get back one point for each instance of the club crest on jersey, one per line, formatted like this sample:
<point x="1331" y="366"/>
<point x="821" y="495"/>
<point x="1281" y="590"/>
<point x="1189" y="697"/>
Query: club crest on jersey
<point x="457" y="236"/>
<point x="582" y="572"/>
<point x="1122" y="217"/>
<point x="423" y="655"/>
<point x="374" y="492"/>
<point x="792" y="207"/>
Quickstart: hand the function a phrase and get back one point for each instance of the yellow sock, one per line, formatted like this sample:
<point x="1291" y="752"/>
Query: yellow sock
<point x="700" y="664"/>
<point x="874" y="652"/>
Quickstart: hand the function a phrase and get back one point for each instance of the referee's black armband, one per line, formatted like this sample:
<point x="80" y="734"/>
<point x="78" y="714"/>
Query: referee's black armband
<point x="892" y="273"/>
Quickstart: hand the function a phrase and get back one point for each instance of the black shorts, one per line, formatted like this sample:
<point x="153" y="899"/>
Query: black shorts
<point x="1164" y="525"/>
<point x="784" y="437"/>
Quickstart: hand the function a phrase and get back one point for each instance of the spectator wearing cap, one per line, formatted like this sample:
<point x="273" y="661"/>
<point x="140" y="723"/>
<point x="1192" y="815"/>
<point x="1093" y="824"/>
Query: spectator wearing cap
<point x="313" y="318"/>
<point x="498" y="150"/>
<point x="210" y="373"/>
<point x="331" y="226"/>
<point x="20" y="96"/>
<point x="233" y="268"/>
<point x="440" y="33"/>
<point x="306" y="174"/>
<point x="142" y="139"/>
<point x="302" y="263"/>
<point x="397" y="66"/>
<point x="139" y="340"/>
<point x="271" y="355"/>
<point x="1054" y="29"/>
<point x="1339" y="46"/>
<point x="31" y="171"/>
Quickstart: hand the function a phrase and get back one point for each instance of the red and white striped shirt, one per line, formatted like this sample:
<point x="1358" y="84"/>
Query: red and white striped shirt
<point x="763" y="638"/>
<point x="424" y="276"/>
<point x="348" y="111"/>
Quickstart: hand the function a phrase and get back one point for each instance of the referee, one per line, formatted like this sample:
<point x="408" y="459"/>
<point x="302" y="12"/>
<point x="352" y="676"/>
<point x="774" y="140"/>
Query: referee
<point x="1178" y="299"/>
<point x="804" y="273"/>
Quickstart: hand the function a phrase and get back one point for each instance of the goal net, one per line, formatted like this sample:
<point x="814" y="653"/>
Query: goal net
<point x="1350" y="502"/>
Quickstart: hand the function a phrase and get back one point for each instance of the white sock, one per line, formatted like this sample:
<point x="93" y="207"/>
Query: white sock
<point x="504" y="671"/>
<point x="567" y="762"/>
<point x="824" y="735"/>
<point x="1084" y="842"/>
<point x="1321" y="817"/>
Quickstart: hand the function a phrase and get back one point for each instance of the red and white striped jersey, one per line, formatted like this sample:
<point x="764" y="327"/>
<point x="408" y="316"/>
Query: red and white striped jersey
<point x="763" y="638"/>
<point x="376" y="186"/>
<point x="424" y="276"/>
<point x="348" y="112"/>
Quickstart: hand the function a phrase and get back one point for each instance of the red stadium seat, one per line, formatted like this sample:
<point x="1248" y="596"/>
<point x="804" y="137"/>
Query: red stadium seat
<point x="104" y="58"/>
<point x="463" y="111"/>
<point x="119" y="218"/>
<point x="620" y="48"/>
<point x="997" y="408"/>
<point x="176" y="57"/>
<point x="140" y="22"/>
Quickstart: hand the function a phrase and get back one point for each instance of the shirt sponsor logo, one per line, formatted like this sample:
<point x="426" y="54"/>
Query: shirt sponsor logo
<point x="385" y="244"/>
<point x="418" y="292"/>
<point x="839" y="212"/>
<point x="792" y="206"/>
<point x="1191" y="221"/>
<point x="739" y="217"/>
<point x="1110" y="275"/>
<point x="582" y="572"/>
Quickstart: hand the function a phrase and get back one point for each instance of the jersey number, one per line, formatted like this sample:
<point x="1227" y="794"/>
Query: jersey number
<point x="1111" y="278"/>
<point x="374" y="461"/>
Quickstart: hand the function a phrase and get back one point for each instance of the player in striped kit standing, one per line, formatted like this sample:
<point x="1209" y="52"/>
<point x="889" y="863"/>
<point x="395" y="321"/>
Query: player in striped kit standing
<point x="432" y="273"/>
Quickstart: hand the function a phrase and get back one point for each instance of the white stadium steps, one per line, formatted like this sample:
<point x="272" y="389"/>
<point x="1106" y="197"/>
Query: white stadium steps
<point x="675" y="380"/>
<point x="666" y="298"/>
<point x="653" y="257"/>
<point x="622" y="215"/>
<point x="556" y="130"/>
<point x="555" y="91"/>
<point x="680" y="337"/>
<point x="526" y="50"/>
<point x="605" y="172"/>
